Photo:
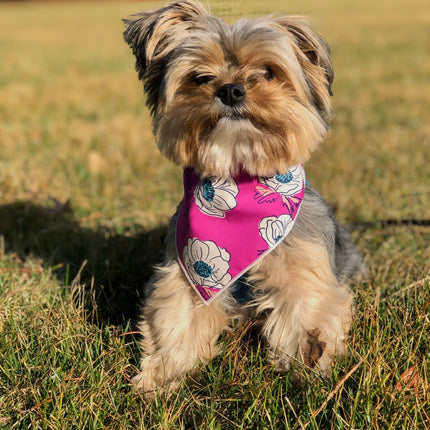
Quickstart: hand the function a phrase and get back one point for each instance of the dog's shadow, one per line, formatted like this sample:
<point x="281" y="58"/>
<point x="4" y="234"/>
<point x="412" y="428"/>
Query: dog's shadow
<point x="111" y="267"/>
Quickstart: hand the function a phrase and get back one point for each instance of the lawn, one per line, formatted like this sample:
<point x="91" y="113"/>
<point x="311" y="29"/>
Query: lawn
<point x="85" y="198"/>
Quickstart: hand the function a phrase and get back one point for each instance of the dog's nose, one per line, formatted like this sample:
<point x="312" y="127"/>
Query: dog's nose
<point x="231" y="94"/>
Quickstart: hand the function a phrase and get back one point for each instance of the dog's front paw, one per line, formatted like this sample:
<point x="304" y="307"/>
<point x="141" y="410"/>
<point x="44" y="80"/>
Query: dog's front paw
<point x="144" y="384"/>
<point x="149" y="382"/>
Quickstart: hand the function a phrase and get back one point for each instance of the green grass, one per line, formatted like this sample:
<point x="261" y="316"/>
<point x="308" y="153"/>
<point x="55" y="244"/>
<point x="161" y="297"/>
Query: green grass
<point x="85" y="197"/>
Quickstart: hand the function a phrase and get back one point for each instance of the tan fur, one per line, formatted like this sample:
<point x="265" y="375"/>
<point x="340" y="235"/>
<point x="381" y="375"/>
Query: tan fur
<point x="279" y="126"/>
<point x="282" y="120"/>
<point x="184" y="56"/>
<point x="298" y="287"/>
<point x="178" y="330"/>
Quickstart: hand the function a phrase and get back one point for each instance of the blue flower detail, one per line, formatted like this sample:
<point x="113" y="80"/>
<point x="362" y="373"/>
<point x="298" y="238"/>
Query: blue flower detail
<point x="216" y="196"/>
<point x="208" y="190"/>
<point x="207" y="265"/>
<point x="273" y="229"/>
<point x="202" y="269"/>
<point x="284" y="179"/>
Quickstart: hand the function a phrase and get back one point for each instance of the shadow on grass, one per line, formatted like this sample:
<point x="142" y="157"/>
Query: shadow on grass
<point x="117" y="265"/>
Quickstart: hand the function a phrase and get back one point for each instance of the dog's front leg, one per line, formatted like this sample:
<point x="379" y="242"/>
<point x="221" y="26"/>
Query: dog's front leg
<point x="308" y="311"/>
<point x="178" y="330"/>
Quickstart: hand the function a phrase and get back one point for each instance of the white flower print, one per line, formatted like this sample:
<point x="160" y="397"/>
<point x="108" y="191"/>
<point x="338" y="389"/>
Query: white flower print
<point x="287" y="185"/>
<point x="207" y="264"/>
<point x="273" y="229"/>
<point x="215" y="196"/>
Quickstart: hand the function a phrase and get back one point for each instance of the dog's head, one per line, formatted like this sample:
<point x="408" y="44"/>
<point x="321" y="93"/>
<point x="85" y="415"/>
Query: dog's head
<point x="254" y="95"/>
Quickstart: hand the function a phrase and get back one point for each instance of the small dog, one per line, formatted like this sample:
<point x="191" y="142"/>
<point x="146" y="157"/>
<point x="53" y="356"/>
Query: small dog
<point x="241" y="107"/>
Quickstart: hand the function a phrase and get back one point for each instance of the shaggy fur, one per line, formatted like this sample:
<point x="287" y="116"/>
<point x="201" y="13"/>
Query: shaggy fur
<point x="255" y="96"/>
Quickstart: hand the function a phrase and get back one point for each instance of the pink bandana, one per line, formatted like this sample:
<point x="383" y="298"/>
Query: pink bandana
<point x="226" y="225"/>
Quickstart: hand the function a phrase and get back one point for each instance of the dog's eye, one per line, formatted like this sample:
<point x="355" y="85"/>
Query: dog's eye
<point x="203" y="79"/>
<point x="268" y="74"/>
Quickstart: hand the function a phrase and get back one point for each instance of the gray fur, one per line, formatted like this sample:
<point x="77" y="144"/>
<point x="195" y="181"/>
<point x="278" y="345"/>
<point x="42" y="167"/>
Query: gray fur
<point x="317" y="223"/>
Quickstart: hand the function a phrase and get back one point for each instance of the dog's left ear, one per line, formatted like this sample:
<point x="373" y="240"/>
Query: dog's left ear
<point x="314" y="57"/>
<point x="153" y="37"/>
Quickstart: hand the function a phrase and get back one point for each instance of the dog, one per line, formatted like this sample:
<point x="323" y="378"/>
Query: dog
<point x="241" y="107"/>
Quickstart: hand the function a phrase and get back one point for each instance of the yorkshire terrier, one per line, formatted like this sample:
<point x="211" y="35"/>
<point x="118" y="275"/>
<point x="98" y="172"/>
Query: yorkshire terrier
<point x="241" y="107"/>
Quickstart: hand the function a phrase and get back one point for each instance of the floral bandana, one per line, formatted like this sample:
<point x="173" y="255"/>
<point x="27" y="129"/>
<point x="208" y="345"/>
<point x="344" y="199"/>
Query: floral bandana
<point x="226" y="225"/>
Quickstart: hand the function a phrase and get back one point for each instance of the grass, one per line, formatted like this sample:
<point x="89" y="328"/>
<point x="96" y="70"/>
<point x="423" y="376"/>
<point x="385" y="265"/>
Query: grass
<point x="85" y="197"/>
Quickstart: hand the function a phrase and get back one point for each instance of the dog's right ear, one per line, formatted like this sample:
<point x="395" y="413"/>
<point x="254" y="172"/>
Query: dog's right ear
<point x="154" y="35"/>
